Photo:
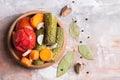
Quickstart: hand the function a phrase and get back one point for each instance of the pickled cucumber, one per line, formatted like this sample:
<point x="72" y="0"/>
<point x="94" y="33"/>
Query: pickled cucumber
<point x="39" y="32"/>
<point x="39" y="47"/>
<point x="50" y="28"/>
<point x="38" y="62"/>
<point x="59" y="41"/>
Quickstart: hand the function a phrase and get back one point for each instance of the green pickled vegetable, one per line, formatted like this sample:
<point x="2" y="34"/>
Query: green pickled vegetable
<point x="74" y="30"/>
<point x="50" y="27"/>
<point x="56" y="53"/>
<point x="65" y="64"/>
<point x="39" y="47"/>
<point x="85" y="52"/>
<point x="39" y="32"/>
<point x="60" y="37"/>
<point x="38" y="62"/>
<point x="59" y="41"/>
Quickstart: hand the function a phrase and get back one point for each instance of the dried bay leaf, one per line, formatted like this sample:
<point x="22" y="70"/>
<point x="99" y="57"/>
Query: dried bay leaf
<point x="65" y="64"/>
<point x="85" y="52"/>
<point x="74" y="30"/>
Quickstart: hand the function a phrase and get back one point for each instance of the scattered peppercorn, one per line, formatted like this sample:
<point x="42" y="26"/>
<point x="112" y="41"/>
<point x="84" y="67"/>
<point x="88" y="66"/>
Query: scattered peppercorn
<point x="75" y="21"/>
<point x="82" y="30"/>
<point x="81" y="57"/>
<point x="88" y="37"/>
<point x="87" y="72"/>
<point x="73" y="1"/>
<point x="61" y="69"/>
<point x="86" y="19"/>
<point x="80" y="41"/>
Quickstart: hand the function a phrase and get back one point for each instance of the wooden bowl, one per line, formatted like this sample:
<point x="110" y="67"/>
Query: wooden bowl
<point x="10" y="45"/>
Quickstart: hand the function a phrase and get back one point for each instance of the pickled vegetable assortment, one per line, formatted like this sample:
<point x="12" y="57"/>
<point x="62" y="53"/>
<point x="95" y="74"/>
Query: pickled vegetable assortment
<point x="37" y="39"/>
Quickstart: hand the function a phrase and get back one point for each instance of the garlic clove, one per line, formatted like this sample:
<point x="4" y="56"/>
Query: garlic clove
<point x="40" y="25"/>
<point x="40" y="39"/>
<point x="66" y="10"/>
<point x="26" y="53"/>
<point x="53" y="46"/>
<point x="78" y="67"/>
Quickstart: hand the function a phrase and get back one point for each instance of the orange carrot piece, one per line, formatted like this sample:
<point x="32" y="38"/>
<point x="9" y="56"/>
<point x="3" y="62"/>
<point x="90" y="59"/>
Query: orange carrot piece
<point x="46" y="54"/>
<point x="25" y="61"/>
<point x="36" y="19"/>
<point x="34" y="55"/>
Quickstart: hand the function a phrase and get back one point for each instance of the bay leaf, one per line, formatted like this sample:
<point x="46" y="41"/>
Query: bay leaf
<point x="85" y="52"/>
<point x="65" y="64"/>
<point x="74" y="30"/>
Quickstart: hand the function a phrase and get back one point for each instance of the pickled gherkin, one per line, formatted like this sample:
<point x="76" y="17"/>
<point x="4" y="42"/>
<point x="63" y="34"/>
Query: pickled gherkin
<point x="59" y="41"/>
<point x="50" y="28"/>
<point x="39" y="32"/>
<point x="38" y="62"/>
<point x="60" y="37"/>
<point x="37" y="46"/>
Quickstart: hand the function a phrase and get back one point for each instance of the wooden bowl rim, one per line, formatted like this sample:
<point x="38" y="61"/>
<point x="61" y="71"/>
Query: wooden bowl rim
<point x="11" y="48"/>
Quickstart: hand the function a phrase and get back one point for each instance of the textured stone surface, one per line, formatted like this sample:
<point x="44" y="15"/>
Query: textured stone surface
<point x="103" y="27"/>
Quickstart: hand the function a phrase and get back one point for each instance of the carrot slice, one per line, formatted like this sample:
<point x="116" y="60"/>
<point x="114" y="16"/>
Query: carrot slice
<point x="46" y="54"/>
<point x="25" y="61"/>
<point x="36" y="19"/>
<point x="34" y="55"/>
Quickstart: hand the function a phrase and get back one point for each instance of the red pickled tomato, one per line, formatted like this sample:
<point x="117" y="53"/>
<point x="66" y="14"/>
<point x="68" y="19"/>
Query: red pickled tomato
<point x="24" y="39"/>
<point x="18" y="53"/>
<point x="23" y="23"/>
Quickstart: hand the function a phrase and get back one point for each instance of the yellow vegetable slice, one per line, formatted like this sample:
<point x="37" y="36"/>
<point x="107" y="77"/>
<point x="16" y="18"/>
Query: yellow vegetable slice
<point x="46" y="54"/>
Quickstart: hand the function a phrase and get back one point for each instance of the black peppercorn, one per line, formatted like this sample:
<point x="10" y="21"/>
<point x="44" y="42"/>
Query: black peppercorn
<point x="75" y="21"/>
<point x="82" y="30"/>
<point x="80" y="41"/>
<point x="86" y="19"/>
<point x="81" y="57"/>
<point x="61" y="69"/>
<point x="73" y="1"/>
<point x="87" y="72"/>
<point x="88" y="37"/>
